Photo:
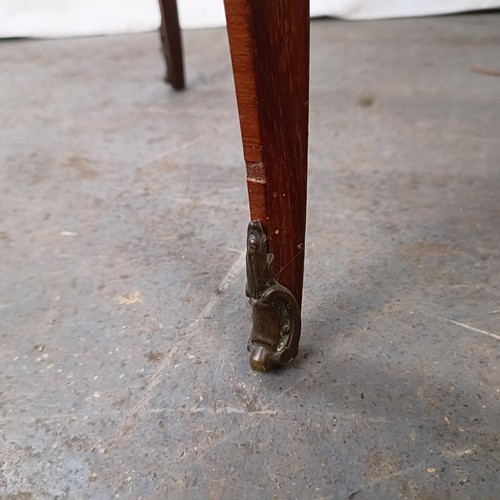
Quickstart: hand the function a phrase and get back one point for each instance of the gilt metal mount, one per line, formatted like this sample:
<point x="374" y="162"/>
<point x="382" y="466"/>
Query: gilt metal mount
<point x="274" y="340"/>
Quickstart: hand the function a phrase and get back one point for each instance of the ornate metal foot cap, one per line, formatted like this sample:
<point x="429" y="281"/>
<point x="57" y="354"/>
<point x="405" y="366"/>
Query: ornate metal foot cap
<point x="261" y="358"/>
<point x="274" y="340"/>
<point x="264" y="359"/>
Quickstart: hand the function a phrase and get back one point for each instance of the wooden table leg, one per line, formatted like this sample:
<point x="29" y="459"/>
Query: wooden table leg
<point x="269" y="42"/>
<point x="172" y="43"/>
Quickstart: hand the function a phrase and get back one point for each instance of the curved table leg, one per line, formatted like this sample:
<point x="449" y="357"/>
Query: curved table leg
<point x="269" y="42"/>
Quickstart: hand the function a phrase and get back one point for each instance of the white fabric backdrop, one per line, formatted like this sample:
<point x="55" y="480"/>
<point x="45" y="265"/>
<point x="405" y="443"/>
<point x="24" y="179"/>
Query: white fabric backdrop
<point x="59" y="18"/>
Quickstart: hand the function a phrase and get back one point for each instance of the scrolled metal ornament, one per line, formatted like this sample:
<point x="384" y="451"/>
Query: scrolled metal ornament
<point x="274" y="340"/>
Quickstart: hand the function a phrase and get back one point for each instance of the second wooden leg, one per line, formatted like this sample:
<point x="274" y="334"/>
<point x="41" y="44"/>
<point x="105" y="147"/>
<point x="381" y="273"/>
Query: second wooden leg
<point x="172" y="43"/>
<point x="269" y="42"/>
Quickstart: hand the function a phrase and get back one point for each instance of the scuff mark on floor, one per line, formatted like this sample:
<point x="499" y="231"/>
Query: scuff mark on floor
<point x="474" y="329"/>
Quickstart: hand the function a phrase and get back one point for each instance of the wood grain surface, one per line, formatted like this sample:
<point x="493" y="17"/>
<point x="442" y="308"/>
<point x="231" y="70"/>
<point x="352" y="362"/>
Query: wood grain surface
<point x="269" y="42"/>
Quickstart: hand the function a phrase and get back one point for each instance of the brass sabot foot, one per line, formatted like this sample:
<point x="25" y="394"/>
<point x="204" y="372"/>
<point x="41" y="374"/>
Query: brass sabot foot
<point x="276" y="321"/>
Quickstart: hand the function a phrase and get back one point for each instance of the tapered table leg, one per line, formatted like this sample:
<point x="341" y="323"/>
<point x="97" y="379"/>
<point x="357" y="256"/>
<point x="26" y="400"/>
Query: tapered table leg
<point x="269" y="42"/>
<point x="172" y="43"/>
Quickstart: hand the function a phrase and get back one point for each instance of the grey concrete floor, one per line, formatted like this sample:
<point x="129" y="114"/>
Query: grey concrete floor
<point x="123" y="369"/>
